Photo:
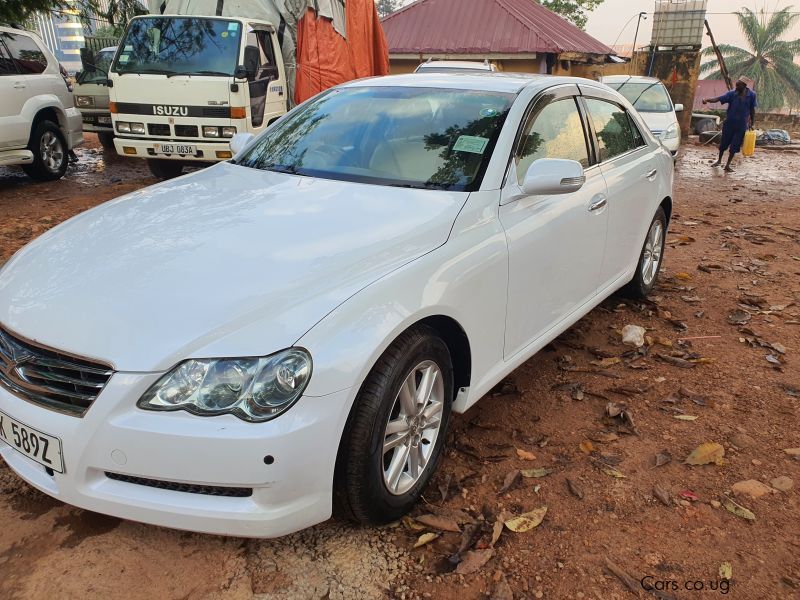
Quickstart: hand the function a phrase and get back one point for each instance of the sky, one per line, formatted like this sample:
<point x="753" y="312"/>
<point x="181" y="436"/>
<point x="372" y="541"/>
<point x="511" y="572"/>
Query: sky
<point x="614" y="18"/>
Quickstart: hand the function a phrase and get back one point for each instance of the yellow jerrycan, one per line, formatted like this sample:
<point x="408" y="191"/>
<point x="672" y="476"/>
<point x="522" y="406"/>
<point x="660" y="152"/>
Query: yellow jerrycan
<point x="749" y="145"/>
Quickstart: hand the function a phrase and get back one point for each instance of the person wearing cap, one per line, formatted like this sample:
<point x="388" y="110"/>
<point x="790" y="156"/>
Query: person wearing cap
<point x="742" y="105"/>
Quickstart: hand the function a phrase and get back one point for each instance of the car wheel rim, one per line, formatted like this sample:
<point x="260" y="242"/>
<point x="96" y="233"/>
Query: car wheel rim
<point x="651" y="257"/>
<point x="51" y="151"/>
<point x="413" y="427"/>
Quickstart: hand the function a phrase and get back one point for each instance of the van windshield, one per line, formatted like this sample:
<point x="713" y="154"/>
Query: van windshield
<point x="179" y="45"/>
<point x="97" y="72"/>
<point x="645" y="97"/>
<point x="400" y="136"/>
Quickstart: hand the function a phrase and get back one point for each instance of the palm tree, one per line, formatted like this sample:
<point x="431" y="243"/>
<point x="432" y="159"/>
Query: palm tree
<point x="770" y="60"/>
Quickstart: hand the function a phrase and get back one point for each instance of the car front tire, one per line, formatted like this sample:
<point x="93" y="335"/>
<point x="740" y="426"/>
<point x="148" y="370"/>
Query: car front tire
<point x="50" y="153"/>
<point x="650" y="258"/>
<point x="396" y="430"/>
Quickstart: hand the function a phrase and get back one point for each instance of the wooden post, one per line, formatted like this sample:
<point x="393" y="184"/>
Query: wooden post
<point x="723" y="69"/>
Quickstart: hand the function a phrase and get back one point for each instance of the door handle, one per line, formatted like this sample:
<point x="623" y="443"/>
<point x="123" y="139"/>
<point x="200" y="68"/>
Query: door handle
<point x="19" y="85"/>
<point x="652" y="174"/>
<point x="598" y="204"/>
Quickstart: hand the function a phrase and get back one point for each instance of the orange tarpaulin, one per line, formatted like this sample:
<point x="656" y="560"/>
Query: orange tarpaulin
<point x="325" y="58"/>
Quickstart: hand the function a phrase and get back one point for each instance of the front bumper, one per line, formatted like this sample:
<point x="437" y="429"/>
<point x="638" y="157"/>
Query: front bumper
<point x="145" y="148"/>
<point x="294" y="491"/>
<point x="91" y="119"/>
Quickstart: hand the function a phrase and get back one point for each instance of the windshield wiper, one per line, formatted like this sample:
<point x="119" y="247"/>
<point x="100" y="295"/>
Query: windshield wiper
<point x="190" y="73"/>
<point x="146" y="72"/>
<point x="652" y="85"/>
<point x="290" y="169"/>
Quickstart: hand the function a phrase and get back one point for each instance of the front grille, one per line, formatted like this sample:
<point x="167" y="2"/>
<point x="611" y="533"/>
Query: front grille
<point x="158" y="129"/>
<point x="186" y="130"/>
<point x="217" y="112"/>
<point x="189" y="488"/>
<point x="48" y="377"/>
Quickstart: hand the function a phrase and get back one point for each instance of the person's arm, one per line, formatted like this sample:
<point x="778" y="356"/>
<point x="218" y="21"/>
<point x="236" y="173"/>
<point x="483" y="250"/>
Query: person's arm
<point x="722" y="99"/>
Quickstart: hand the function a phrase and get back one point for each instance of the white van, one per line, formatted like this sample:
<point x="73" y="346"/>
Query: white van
<point x="649" y="96"/>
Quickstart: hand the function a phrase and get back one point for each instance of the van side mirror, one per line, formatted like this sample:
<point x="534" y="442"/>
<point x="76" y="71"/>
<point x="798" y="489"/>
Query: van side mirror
<point x="550" y="176"/>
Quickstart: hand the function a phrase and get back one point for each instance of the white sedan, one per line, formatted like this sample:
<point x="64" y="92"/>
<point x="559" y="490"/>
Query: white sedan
<point x="243" y="349"/>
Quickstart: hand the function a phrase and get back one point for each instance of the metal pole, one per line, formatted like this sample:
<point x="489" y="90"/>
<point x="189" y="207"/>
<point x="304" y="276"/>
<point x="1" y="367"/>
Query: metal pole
<point x="636" y="35"/>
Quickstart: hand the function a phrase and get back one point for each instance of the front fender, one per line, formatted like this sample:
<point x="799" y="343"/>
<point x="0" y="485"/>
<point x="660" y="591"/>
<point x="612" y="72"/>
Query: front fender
<point x="466" y="280"/>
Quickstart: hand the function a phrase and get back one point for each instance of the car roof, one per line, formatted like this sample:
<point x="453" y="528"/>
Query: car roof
<point x="477" y="80"/>
<point x="629" y="79"/>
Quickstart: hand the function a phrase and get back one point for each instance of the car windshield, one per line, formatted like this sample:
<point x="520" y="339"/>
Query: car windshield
<point x="97" y="72"/>
<point x="645" y="97"/>
<point x="175" y="45"/>
<point x="403" y="136"/>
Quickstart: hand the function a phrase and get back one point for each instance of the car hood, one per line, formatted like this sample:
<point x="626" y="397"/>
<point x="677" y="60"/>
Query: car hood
<point x="658" y="121"/>
<point x="229" y="261"/>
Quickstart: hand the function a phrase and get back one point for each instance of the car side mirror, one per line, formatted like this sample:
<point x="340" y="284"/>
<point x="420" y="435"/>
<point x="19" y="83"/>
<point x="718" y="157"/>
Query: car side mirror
<point x="678" y="108"/>
<point x="239" y="141"/>
<point x="549" y="176"/>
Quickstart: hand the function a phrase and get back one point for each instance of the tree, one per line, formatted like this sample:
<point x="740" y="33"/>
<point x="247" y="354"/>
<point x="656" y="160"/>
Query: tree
<point x="572" y="10"/>
<point x="769" y="61"/>
<point x="118" y="13"/>
<point x="387" y="7"/>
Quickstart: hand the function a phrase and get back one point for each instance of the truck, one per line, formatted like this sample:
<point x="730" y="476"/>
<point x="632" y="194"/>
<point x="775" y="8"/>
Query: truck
<point x="91" y="93"/>
<point x="192" y="74"/>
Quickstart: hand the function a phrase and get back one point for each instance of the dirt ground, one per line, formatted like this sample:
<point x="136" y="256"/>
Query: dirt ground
<point x="596" y="431"/>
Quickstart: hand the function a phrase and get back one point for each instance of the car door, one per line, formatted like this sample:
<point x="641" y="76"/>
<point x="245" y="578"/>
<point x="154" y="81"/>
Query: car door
<point x="630" y="169"/>
<point x="555" y="243"/>
<point x="12" y="92"/>
<point x="30" y="81"/>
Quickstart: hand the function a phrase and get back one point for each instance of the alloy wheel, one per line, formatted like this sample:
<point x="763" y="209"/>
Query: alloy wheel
<point x="653" y="248"/>
<point x="412" y="428"/>
<point x="52" y="151"/>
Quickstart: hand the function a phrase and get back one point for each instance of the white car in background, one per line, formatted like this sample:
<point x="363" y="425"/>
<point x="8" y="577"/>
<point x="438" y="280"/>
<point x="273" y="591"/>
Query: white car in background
<point x="650" y="97"/>
<point x="38" y="123"/>
<point x="455" y="66"/>
<point x="240" y="349"/>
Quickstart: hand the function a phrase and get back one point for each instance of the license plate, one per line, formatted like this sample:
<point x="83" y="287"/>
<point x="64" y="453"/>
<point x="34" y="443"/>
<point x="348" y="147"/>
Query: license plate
<point x="184" y="149"/>
<point x="104" y="120"/>
<point x="89" y="120"/>
<point x="36" y="445"/>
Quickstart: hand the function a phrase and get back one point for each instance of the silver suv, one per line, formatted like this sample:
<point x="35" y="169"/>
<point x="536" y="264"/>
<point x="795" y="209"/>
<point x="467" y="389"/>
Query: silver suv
<point x="39" y="124"/>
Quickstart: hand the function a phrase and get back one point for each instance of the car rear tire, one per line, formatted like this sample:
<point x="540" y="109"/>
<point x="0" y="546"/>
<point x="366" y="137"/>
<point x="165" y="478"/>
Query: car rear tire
<point x="50" y="152"/>
<point x="650" y="258"/>
<point x="106" y="139"/>
<point x="395" y="432"/>
<point x="164" y="169"/>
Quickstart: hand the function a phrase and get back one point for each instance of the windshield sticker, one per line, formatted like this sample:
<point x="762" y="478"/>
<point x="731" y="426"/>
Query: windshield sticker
<point x="233" y="27"/>
<point x="471" y="143"/>
<point x="128" y="48"/>
<point x="224" y="34"/>
<point x="123" y="58"/>
<point x="489" y="112"/>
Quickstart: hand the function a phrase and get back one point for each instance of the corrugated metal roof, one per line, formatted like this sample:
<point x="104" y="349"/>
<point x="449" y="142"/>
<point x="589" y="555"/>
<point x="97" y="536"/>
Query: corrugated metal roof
<point x="484" y="27"/>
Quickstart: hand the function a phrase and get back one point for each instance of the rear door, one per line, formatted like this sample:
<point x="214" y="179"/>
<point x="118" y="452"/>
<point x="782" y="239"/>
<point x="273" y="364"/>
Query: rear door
<point x="630" y="169"/>
<point x="12" y="92"/>
<point x="555" y="243"/>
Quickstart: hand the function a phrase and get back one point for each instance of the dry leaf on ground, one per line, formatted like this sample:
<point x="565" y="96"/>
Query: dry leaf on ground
<point x="738" y="509"/>
<point x="525" y="455"/>
<point x="726" y="571"/>
<point x="526" y="521"/>
<point x="474" y="560"/>
<point x="704" y="454"/>
<point x="439" y="522"/>
<point x="425" y="538"/>
<point x="535" y="473"/>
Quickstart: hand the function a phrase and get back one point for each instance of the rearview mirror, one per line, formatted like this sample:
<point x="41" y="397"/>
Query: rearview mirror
<point x="549" y="176"/>
<point x="679" y="108"/>
<point x="239" y="141"/>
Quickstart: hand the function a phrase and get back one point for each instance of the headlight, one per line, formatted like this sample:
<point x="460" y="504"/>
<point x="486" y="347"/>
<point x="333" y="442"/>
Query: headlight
<point x="210" y="131"/>
<point x="123" y="127"/>
<point x="672" y="132"/>
<point x="137" y="127"/>
<point x="253" y="389"/>
<point x="228" y="132"/>
<point x="84" y="101"/>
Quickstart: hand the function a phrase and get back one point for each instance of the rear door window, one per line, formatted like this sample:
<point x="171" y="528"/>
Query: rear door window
<point x="7" y="66"/>
<point x="615" y="132"/>
<point x="26" y="53"/>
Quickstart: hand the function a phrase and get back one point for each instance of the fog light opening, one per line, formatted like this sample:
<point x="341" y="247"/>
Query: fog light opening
<point x="129" y="150"/>
<point x="224" y="154"/>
